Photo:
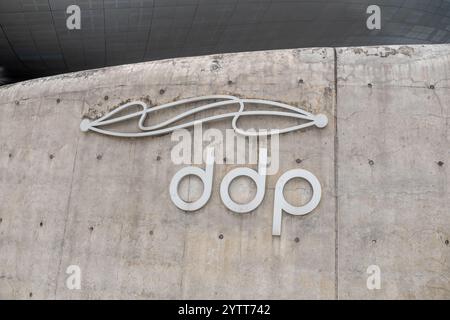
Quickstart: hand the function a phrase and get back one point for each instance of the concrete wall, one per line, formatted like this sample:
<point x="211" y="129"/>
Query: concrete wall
<point x="393" y="159"/>
<point x="71" y="198"/>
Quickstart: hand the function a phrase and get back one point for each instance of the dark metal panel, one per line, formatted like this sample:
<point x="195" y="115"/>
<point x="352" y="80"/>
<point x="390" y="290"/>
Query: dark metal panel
<point x="35" y="36"/>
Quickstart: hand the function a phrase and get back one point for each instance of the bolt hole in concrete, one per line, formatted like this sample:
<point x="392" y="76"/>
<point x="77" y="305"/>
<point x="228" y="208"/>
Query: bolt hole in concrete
<point x="190" y="188"/>
<point x="297" y="240"/>
<point x="91" y="228"/>
<point x="106" y="98"/>
<point x="371" y="162"/>
<point x="158" y="158"/>
<point x="431" y="87"/>
<point x="298" y="161"/>
<point x="58" y="100"/>
<point x="440" y="163"/>
<point x="162" y="91"/>
<point x="99" y="157"/>
<point x="242" y="190"/>
<point x="150" y="232"/>
<point x="51" y="156"/>
<point x="297" y="192"/>
<point x="220" y="236"/>
<point x="41" y="224"/>
<point x="447" y="242"/>
<point x="10" y="155"/>
<point x="369" y="85"/>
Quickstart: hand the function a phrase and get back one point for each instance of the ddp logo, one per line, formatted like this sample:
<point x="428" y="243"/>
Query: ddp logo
<point x="206" y="175"/>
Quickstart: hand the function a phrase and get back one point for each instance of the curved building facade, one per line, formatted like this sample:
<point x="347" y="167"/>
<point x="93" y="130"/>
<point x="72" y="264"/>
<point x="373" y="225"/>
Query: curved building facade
<point x="35" y="40"/>
<point x="85" y="200"/>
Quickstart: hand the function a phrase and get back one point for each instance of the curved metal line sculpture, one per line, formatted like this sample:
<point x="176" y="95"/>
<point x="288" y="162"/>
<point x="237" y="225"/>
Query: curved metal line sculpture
<point x="319" y="120"/>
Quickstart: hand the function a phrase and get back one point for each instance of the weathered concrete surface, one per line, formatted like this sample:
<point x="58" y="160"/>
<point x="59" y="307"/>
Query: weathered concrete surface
<point x="104" y="202"/>
<point x="393" y="112"/>
<point x="73" y="198"/>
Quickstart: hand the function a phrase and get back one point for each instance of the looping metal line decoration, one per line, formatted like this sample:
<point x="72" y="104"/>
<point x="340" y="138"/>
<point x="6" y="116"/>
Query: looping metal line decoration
<point x="319" y="120"/>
